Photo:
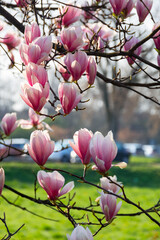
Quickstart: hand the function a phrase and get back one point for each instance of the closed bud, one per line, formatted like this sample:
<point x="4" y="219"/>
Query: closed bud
<point x="81" y="143"/>
<point x="143" y="8"/>
<point x="103" y="151"/>
<point x="68" y="96"/>
<point x="9" y="123"/>
<point x="40" y="147"/>
<point x="109" y="206"/>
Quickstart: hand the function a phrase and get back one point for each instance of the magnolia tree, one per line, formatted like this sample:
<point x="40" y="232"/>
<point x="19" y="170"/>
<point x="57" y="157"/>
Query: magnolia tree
<point x="74" y="38"/>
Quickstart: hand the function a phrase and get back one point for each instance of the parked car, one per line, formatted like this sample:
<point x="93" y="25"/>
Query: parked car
<point x="13" y="146"/>
<point x="123" y="155"/>
<point x="62" y="151"/>
<point x="134" y="148"/>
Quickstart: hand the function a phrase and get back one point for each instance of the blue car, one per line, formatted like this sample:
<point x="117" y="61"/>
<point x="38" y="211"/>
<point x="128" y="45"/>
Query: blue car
<point x="62" y="151"/>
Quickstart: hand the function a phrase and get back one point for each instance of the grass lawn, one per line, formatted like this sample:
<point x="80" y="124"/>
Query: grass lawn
<point x="142" y="184"/>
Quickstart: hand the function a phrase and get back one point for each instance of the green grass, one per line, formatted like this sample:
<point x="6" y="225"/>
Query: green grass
<point x="142" y="183"/>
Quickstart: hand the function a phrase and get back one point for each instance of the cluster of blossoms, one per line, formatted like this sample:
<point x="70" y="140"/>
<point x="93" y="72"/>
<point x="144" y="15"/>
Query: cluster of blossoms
<point x="124" y="7"/>
<point x="87" y="145"/>
<point x="33" y="52"/>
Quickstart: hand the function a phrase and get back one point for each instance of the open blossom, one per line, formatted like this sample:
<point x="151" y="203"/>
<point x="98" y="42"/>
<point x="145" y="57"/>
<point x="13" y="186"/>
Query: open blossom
<point x="31" y="32"/>
<point x="97" y="33"/>
<point x="91" y="70"/>
<point x="36" y="74"/>
<point x="69" y="16"/>
<point x="35" y="96"/>
<point x="68" y="96"/>
<point x="9" y="123"/>
<point x="128" y="45"/>
<point x="143" y="8"/>
<point x="72" y="38"/>
<point x="81" y="143"/>
<point x="11" y="40"/>
<point x="76" y="64"/>
<point x="108" y="185"/>
<point x="2" y="179"/>
<point x="103" y="151"/>
<point x="34" y="120"/>
<point x="37" y="51"/>
<point x="80" y="233"/>
<point x="40" y="147"/>
<point x="52" y="183"/>
<point x="109" y="206"/>
<point x="118" y="5"/>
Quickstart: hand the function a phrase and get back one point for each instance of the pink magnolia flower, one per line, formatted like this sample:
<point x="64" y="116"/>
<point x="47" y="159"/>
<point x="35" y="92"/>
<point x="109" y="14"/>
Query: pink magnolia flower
<point x="11" y="40"/>
<point x="36" y="74"/>
<point x="76" y="64"/>
<point x="35" y="96"/>
<point x="68" y="96"/>
<point x="128" y="45"/>
<point x="101" y="30"/>
<point x="109" y="206"/>
<point x="80" y="233"/>
<point x="72" y="38"/>
<point x="2" y="179"/>
<point x="128" y="8"/>
<point x="118" y="5"/>
<point x="35" y="120"/>
<point x="9" y="123"/>
<point x="52" y="183"/>
<point x="69" y="16"/>
<point x="31" y="32"/>
<point x="40" y="147"/>
<point x="97" y="33"/>
<point x="63" y="71"/>
<point x="108" y="185"/>
<point x="91" y="70"/>
<point x="82" y="140"/>
<point x="103" y="151"/>
<point x="143" y="8"/>
<point x="156" y="37"/>
<point x="22" y="3"/>
<point x="37" y="51"/>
